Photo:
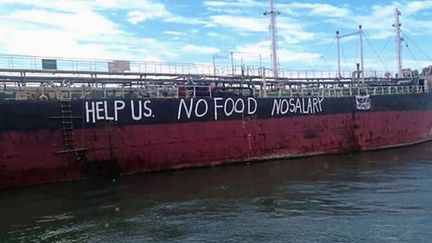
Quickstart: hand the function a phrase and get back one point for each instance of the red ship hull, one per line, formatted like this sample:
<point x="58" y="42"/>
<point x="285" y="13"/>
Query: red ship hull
<point x="33" y="158"/>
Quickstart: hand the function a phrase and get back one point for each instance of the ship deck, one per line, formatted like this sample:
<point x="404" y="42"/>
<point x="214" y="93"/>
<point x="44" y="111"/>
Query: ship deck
<point x="24" y="77"/>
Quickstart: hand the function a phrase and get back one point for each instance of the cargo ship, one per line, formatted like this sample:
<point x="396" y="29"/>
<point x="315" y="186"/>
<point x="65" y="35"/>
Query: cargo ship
<point x="63" y="120"/>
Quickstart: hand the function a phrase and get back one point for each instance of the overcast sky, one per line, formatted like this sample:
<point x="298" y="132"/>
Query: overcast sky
<point x="192" y="31"/>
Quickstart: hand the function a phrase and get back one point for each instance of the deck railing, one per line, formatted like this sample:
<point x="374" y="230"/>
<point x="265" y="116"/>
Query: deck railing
<point x="14" y="62"/>
<point x="196" y="91"/>
<point x="26" y="77"/>
<point x="342" y="91"/>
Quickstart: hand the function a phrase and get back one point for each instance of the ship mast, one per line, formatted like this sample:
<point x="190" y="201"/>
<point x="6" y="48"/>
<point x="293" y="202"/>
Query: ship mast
<point x="338" y="54"/>
<point x="361" y="52"/>
<point x="397" y="25"/>
<point x="338" y="37"/>
<point x="273" y="13"/>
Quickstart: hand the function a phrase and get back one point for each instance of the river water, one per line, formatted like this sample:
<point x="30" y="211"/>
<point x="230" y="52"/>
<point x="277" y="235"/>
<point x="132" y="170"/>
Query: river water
<point x="375" y="197"/>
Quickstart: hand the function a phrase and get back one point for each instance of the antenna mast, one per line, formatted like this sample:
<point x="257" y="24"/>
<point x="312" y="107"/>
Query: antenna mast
<point x="397" y="25"/>
<point x="361" y="52"/>
<point x="338" y="37"/>
<point x="338" y="54"/>
<point x="273" y="13"/>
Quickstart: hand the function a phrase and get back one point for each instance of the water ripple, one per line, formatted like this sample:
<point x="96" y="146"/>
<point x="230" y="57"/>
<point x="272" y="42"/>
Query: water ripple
<point x="374" y="197"/>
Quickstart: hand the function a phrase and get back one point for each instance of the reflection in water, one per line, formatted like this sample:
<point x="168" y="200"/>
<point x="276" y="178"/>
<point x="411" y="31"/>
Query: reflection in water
<point x="378" y="196"/>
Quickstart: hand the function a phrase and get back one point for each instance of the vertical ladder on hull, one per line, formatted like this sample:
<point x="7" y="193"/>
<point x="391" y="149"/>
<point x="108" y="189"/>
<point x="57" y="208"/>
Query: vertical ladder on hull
<point x="67" y="124"/>
<point x="75" y="154"/>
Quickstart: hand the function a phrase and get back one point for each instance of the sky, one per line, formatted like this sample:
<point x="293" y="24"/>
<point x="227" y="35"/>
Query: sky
<point x="198" y="31"/>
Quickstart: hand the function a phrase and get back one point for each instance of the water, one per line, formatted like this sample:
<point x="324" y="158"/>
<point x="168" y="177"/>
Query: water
<point x="376" y="197"/>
